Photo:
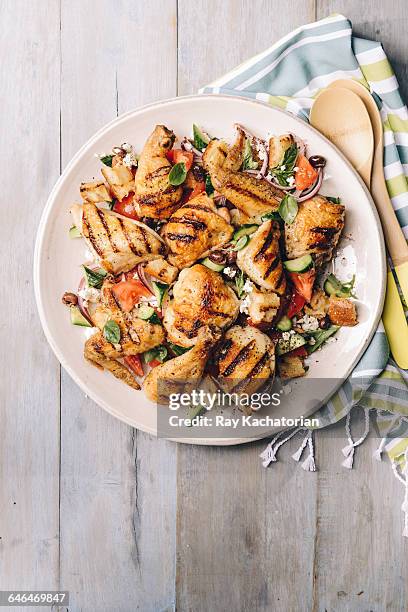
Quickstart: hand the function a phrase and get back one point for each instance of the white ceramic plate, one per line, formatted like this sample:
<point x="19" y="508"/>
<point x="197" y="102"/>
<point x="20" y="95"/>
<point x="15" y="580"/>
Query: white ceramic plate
<point x="58" y="258"/>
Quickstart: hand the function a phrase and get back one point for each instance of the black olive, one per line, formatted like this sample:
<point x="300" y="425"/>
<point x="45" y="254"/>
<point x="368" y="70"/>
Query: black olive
<point x="231" y="257"/>
<point x="198" y="173"/>
<point x="218" y="257"/>
<point x="317" y="161"/>
<point x="324" y="323"/>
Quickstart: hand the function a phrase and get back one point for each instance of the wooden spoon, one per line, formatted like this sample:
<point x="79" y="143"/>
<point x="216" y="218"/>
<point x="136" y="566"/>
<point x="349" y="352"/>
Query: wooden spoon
<point x="342" y="117"/>
<point x="348" y="92"/>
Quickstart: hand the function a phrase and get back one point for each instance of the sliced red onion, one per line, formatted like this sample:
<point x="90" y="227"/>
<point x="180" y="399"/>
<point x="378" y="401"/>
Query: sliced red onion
<point x="145" y="278"/>
<point x="300" y="144"/>
<point x="186" y="145"/>
<point x="220" y="200"/>
<point x="81" y="302"/>
<point x="309" y="193"/>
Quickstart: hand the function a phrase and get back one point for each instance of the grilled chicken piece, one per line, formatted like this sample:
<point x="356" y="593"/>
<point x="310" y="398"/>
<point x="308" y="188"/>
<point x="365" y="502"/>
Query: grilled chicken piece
<point x="95" y="192"/>
<point x="342" y="311"/>
<point x="181" y="374"/>
<point x="245" y="359"/>
<point x="100" y="353"/>
<point x="137" y="335"/>
<point x="118" y="244"/>
<point x="154" y="196"/>
<point x="315" y="230"/>
<point x="120" y="179"/>
<point x="193" y="230"/>
<point x="249" y="194"/>
<point x="263" y="306"/>
<point x="162" y="270"/>
<point x="278" y="145"/>
<point x="260" y="259"/>
<point x="200" y="298"/>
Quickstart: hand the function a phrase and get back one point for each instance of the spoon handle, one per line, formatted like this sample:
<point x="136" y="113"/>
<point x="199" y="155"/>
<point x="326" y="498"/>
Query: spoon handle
<point x="394" y="237"/>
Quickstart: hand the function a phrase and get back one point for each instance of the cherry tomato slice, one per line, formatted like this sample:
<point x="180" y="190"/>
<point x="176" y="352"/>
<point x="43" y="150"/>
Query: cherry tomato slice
<point x="134" y="363"/>
<point x="305" y="175"/>
<point x="177" y="156"/>
<point x="129" y="292"/>
<point x="304" y="282"/>
<point x="125" y="207"/>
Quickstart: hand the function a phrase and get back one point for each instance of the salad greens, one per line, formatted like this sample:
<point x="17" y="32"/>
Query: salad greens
<point x="285" y="169"/>
<point x="288" y="209"/>
<point x="200" y="140"/>
<point x="111" y="332"/>
<point x="93" y="278"/>
<point x="248" y="163"/>
<point x="178" y="174"/>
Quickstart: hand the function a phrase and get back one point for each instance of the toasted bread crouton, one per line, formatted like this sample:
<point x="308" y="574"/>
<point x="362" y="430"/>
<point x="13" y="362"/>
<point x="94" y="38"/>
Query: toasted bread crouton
<point x="318" y="305"/>
<point x="342" y="311"/>
<point x="163" y="271"/>
<point x="120" y="179"/>
<point x="95" y="192"/>
<point x="278" y="145"/>
<point x="263" y="306"/>
<point x="291" y="366"/>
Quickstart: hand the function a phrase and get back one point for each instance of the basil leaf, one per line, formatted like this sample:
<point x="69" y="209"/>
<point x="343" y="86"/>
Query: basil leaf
<point x="107" y="160"/>
<point x="334" y="200"/>
<point x="178" y="174"/>
<point x="239" y="283"/>
<point x="321" y="336"/>
<point x="111" y="332"/>
<point x="284" y="170"/>
<point x="288" y="209"/>
<point x="248" y="162"/>
<point x="94" y="278"/>
<point x="178" y="350"/>
<point x="159" y="353"/>
<point x="209" y="187"/>
<point x="200" y="139"/>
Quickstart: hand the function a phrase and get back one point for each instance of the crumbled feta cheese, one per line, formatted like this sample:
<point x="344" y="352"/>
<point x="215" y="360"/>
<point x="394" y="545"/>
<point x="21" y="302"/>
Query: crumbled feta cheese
<point x="260" y="149"/>
<point x="295" y="169"/>
<point x="130" y="160"/>
<point x="230" y="272"/>
<point x="117" y="347"/>
<point x="90" y="294"/>
<point x="133" y="335"/>
<point x="248" y="286"/>
<point x="312" y="341"/>
<point x="283" y="167"/>
<point x="291" y="180"/>
<point x="308" y="323"/>
<point x="126" y="147"/>
<point x="244" y="305"/>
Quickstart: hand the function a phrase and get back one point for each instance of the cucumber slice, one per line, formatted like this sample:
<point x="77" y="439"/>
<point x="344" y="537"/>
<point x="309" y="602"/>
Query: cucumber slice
<point x="329" y="288"/>
<point x="145" y="312"/>
<point x="160" y="290"/>
<point x="74" y="232"/>
<point x="300" y="264"/>
<point x="77" y="318"/>
<point x="241" y="243"/>
<point x="245" y="230"/>
<point x="285" y="324"/>
<point x="290" y="344"/>
<point x="213" y="266"/>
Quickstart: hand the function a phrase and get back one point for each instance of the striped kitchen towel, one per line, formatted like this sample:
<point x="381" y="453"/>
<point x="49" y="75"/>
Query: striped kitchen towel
<point x="289" y="75"/>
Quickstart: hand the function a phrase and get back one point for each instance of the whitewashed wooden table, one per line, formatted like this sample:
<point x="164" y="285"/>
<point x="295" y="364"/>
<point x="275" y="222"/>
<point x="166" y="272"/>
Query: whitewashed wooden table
<point x="124" y="521"/>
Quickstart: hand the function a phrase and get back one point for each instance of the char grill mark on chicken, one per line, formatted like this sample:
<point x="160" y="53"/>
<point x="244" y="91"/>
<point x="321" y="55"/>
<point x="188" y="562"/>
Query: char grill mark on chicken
<point x="315" y="230"/>
<point x="201" y="298"/>
<point x="193" y="230"/>
<point x="118" y="243"/>
<point x="261" y="260"/>
<point x="155" y="197"/>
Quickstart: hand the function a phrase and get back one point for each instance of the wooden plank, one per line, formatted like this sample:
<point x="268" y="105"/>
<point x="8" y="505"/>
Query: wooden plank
<point x="29" y="388"/>
<point x="232" y="514"/>
<point x="377" y="20"/>
<point x="118" y="485"/>
<point x="361" y="556"/>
